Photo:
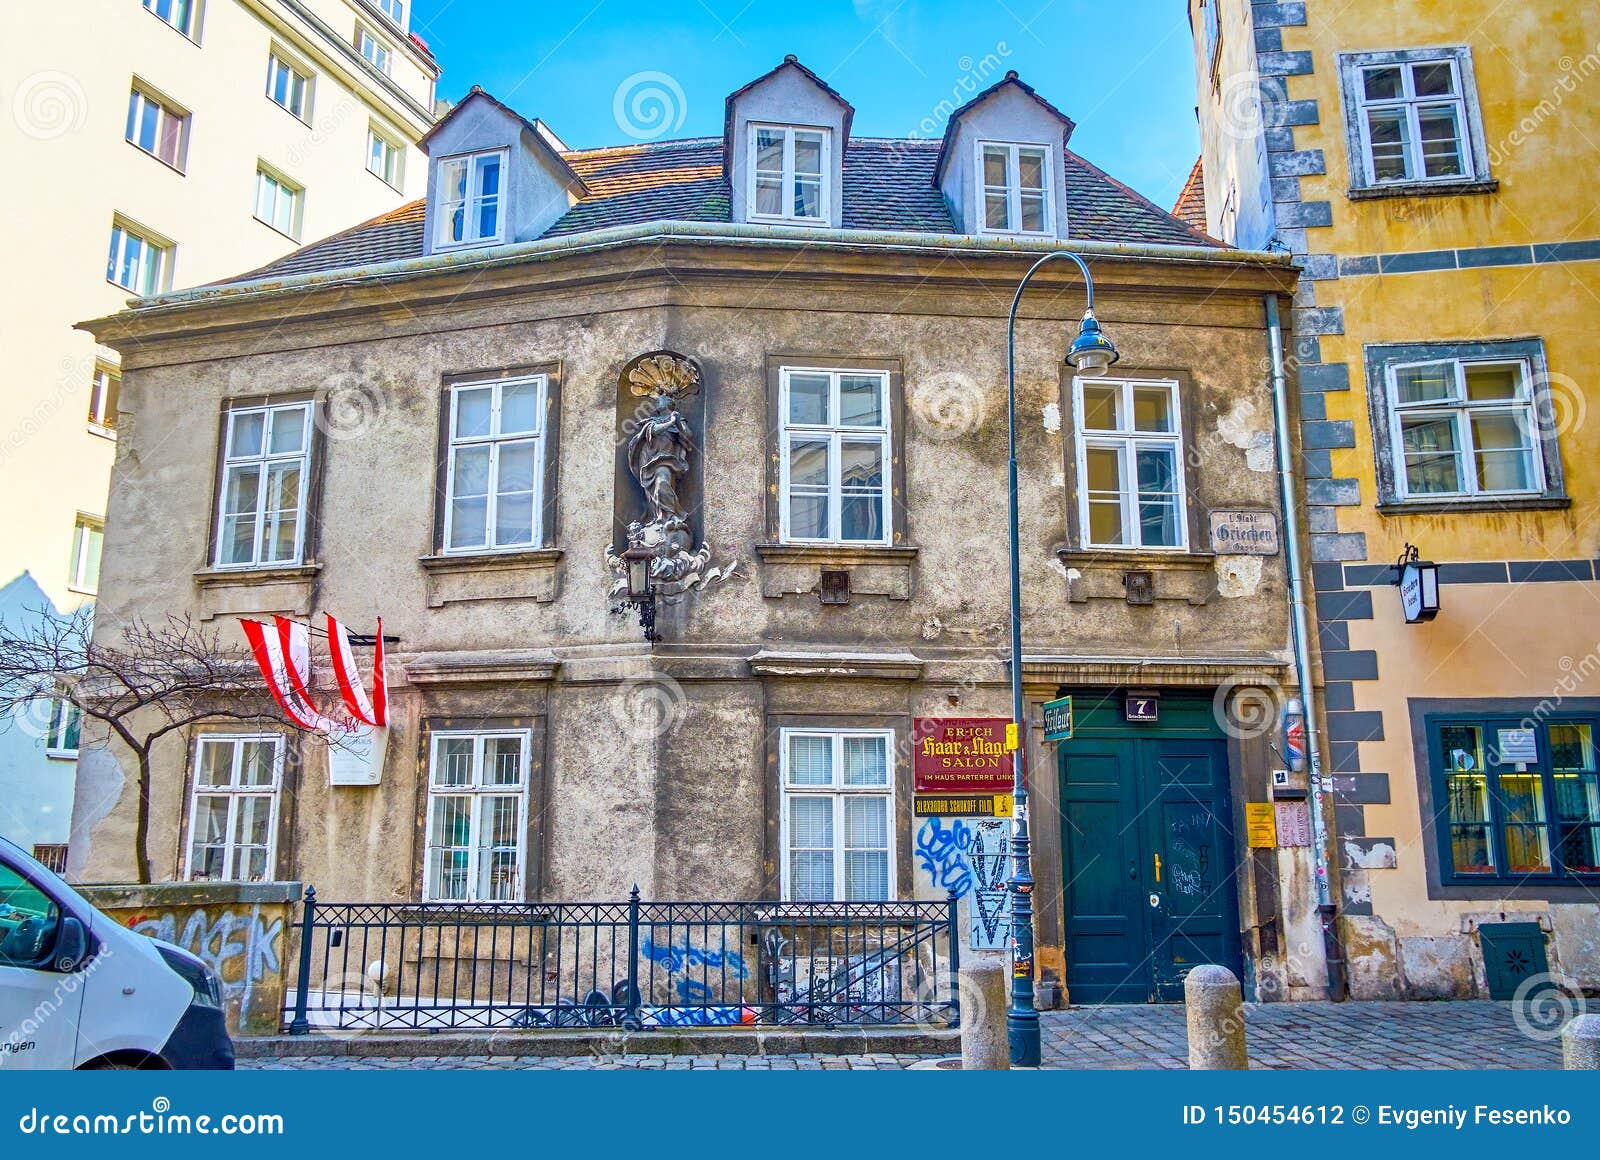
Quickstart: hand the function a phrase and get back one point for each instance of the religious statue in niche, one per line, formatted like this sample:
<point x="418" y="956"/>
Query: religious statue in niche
<point x="660" y="451"/>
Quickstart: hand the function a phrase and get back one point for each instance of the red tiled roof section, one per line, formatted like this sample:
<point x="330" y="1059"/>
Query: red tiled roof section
<point x="1191" y="206"/>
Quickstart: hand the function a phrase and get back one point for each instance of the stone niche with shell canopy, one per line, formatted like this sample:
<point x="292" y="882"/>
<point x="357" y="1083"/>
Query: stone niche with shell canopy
<point x="660" y="477"/>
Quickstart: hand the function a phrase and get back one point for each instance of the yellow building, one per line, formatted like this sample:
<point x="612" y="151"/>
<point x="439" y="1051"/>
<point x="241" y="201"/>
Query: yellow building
<point x="1430" y="163"/>
<point x="151" y="145"/>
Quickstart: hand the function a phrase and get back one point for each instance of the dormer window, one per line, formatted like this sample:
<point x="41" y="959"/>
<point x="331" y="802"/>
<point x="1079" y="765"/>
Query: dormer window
<point x="469" y="193"/>
<point x="1016" y="188"/>
<point x="788" y="174"/>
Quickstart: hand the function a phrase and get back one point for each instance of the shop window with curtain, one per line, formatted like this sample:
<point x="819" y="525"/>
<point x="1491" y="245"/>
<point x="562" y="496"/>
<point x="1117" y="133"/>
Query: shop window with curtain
<point x="1518" y="799"/>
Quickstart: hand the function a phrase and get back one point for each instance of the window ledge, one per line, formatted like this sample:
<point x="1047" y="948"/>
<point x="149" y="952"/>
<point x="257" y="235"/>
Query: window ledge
<point x="1423" y="189"/>
<point x="61" y="754"/>
<point x="1156" y="561"/>
<point x="881" y="666"/>
<point x="1530" y="503"/>
<point x="529" y="574"/>
<point x="1099" y="574"/>
<point x="101" y="431"/>
<point x="256" y="591"/>
<point x="242" y="576"/>
<point x="789" y="570"/>
<point x="837" y="553"/>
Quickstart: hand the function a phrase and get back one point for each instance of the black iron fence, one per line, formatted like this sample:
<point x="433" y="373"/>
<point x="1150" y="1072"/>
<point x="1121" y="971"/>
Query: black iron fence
<point x="631" y="965"/>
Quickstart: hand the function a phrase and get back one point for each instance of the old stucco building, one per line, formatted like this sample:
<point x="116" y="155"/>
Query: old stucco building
<point x="1419" y="168"/>
<point x="453" y="410"/>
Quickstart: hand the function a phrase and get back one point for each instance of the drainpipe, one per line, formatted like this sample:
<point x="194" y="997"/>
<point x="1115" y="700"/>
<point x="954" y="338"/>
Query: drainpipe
<point x="1327" y="910"/>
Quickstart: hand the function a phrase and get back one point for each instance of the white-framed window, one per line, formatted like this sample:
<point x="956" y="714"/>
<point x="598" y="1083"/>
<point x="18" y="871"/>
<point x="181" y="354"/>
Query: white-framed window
<point x="279" y="202"/>
<point x="385" y="157"/>
<point x="789" y="173"/>
<point x="477" y="816"/>
<point x="265" y="472"/>
<point x="834" y="455"/>
<point x="395" y="10"/>
<point x="1464" y="427"/>
<point x="156" y="127"/>
<point x="469" y="194"/>
<point x="374" y="51"/>
<point x="138" y="262"/>
<point x="88" y="540"/>
<point x="104" y="389"/>
<point x="1016" y="188"/>
<point x="838" y="815"/>
<point x="1129" y="446"/>
<point x="289" y="86"/>
<point x="233" y="811"/>
<point x="180" y="14"/>
<point x="1413" y="117"/>
<point x="494" y="479"/>
<point x="66" y="721"/>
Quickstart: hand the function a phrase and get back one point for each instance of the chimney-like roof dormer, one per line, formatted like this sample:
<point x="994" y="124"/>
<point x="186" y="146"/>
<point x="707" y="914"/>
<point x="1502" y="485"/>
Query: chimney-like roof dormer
<point x="1002" y="163"/>
<point x="494" y="177"/>
<point x="784" y="137"/>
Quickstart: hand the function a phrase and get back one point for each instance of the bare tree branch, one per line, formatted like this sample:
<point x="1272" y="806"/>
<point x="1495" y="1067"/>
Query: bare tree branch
<point x="143" y="682"/>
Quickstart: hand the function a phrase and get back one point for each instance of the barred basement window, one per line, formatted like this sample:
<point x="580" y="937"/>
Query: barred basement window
<point x="476" y="825"/>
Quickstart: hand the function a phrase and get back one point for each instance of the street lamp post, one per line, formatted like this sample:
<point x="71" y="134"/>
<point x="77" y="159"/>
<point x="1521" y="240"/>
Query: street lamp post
<point x="1090" y="354"/>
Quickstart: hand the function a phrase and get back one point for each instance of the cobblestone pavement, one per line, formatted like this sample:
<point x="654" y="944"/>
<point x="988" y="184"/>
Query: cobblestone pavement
<point x="1380" y="1036"/>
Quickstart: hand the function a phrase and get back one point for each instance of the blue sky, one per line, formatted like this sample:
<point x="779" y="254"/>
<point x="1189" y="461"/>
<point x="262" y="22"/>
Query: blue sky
<point x="579" y="64"/>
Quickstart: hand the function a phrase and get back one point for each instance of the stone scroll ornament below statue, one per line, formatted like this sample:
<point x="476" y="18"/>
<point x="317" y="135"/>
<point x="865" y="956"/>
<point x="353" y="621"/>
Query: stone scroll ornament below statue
<point x="659" y="455"/>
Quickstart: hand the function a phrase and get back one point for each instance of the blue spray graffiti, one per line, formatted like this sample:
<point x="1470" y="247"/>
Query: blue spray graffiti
<point x="943" y="853"/>
<point x="679" y="958"/>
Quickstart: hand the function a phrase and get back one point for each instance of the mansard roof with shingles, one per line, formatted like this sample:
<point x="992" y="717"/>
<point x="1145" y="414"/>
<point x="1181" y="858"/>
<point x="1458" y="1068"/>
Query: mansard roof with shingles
<point x="888" y="185"/>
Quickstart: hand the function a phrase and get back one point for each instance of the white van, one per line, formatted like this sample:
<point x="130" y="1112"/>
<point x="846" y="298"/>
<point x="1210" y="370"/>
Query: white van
<point x="77" y="989"/>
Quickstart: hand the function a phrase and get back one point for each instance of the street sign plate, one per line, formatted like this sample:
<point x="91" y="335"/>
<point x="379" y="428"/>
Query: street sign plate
<point x="998" y="805"/>
<point x="1058" y="720"/>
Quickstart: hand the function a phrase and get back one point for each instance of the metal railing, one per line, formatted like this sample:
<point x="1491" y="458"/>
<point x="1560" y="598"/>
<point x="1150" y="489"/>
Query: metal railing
<point x="631" y="965"/>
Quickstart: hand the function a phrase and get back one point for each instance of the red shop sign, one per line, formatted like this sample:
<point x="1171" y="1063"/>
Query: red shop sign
<point x="957" y="755"/>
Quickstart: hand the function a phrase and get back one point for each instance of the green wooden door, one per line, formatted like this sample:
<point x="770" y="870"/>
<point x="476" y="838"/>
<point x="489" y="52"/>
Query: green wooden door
<point x="1108" y="935"/>
<point x="1148" y="850"/>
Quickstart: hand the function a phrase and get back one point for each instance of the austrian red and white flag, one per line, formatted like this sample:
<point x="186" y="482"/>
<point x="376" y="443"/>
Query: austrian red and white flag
<point x="373" y="710"/>
<point x="283" y="652"/>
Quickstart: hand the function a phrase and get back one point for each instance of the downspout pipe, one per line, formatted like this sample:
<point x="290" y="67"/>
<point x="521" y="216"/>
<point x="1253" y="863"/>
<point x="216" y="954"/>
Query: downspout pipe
<point x="1300" y="634"/>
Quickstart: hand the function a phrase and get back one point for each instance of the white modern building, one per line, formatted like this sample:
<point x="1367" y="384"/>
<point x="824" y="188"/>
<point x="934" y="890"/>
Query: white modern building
<point x="152" y="145"/>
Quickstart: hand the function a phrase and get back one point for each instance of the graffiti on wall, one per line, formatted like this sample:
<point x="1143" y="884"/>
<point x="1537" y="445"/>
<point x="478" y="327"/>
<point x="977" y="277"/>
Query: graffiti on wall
<point x="942" y="854"/>
<point x="241" y="945"/>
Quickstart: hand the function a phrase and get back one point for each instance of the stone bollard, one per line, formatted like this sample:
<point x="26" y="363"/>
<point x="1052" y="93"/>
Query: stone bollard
<point x="1580" y="1044"/>
<point x="985" y="987"/>
<point x="1215" y="1009"/>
